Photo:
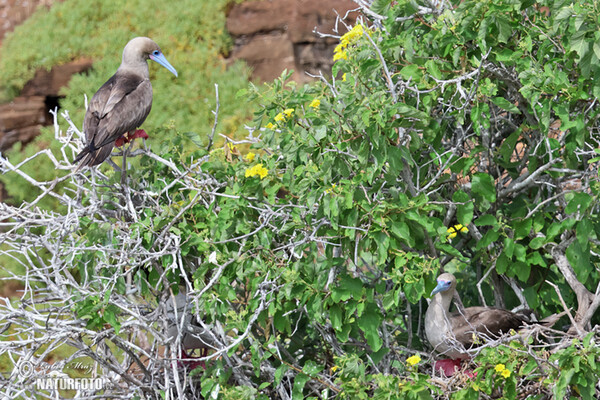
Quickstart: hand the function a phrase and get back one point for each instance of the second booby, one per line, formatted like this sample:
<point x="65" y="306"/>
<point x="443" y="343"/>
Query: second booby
<point x="122" y="103"/>
<point x="453" y="334"/>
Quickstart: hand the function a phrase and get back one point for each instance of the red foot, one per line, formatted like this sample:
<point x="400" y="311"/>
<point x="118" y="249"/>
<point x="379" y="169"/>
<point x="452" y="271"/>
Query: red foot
<point x="191" y="361"/>
<point x="449" y="367"/>
<point x="139" y="133"/>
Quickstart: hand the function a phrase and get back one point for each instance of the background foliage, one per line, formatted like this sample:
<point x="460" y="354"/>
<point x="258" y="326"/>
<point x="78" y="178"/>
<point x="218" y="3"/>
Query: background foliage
<point x="311" y="276"/>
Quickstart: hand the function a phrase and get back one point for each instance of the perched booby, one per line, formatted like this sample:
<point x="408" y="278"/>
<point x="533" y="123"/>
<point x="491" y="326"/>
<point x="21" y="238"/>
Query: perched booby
<point x="122" y="103"/>
<point x="453" y="334"/>
<point x="191" y="334"/>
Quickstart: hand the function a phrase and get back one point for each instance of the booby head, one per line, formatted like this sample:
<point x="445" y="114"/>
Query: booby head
<point x="140" y="49"/>
<point x="445" y="282"/>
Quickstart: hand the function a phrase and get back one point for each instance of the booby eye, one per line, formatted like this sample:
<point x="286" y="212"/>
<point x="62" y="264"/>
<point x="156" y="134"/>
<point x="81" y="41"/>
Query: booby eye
<point x="155" y="53"/>
<point x="445" y="284"/>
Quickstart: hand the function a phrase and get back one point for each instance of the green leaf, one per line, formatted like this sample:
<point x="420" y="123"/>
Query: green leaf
<point x="464" y="207"/>
<point x="335" y="316"/>
<point x="299" y="383"/>
<point x="487" y="239"/>
<point x="504" y="28"/>
<point x="369" y="323"/>
<point x="505" y="105"/>
<point x="563" y="382"/>
<point x="579" y="257"/>
<point x="401" y="230"/>
<point x="521" y="270"/>
<point x="579" y="203"/>
<point x="486" y="220"/>
<point x="111" y="317"/>
<point x="411" y="71"/>
<point x="279" y="373"/>
<point x="579" y="44"/>
<point x="537" y="242"/>
<point x="502" y="263"/>
<point x="482" y="184"/>
<point x="509" y="247"/>
<point x="311" y="368"/>
<point x="433" y="69"/>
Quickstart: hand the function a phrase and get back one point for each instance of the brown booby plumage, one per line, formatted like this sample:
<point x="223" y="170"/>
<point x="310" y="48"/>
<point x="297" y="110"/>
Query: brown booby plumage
<point x="122" y="103"/>
<point x="452" y="334"/>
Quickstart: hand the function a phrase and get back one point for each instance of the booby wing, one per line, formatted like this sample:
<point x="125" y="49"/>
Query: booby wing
<point x="120" y="105"/>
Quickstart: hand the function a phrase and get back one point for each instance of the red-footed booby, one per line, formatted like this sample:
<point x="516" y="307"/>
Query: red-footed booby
<point x="453" y="334"/>
<point x="185" y="328"/>
<point x="122" y="103"/>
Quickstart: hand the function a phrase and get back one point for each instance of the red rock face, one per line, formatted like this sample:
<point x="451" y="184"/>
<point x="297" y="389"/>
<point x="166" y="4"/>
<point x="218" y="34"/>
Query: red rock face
<point x="21" y="119"/>
<point x="13" y="12"/>
<point x="273" y="35"/>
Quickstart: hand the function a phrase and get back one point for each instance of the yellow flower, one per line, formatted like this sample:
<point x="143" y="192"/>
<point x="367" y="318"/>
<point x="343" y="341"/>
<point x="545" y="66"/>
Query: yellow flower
<point x="315" y="103"/>
<point x="259" y="170"/>
<point x="413" y="360"/>
<point x="344" y="77"/>
<point x="356" y="32"/>
<point x="327" y="191"/>
<point x="250" y="156"/>
<point x="288" y="112"/>
<point x="453" y="230"/>
<point x="334" y="368"/>
<point x="342" y="55"/>
<point x="500" y="367"/>
<point x="279" y="117"/>
<point x="505" y="374"/>
<point x="270" y="125"/>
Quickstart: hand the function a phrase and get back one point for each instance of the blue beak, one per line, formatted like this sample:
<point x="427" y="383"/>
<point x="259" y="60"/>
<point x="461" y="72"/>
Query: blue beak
<point x="160" y="58"/>
<point x="439" y="288"/>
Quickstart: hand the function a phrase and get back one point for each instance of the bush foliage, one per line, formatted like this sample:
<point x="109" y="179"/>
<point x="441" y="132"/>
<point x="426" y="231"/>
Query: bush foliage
<point x="461" y="137"/>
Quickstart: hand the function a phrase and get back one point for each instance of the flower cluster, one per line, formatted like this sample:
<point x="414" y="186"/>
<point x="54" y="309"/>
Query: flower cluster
<point x="453" y="230"/>
<point x="330" y="190"/>
<point x="282" y="116"/>
<point x="339" y="53"/>
<point x="259" y="170"/>
<point x="315" y="103"/>
<point x="250" y="156"/>
<point x="501" y="369"/>
<point x="413" y="360"/>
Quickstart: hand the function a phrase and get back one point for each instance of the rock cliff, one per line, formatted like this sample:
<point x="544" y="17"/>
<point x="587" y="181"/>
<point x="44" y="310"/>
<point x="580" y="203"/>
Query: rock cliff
<point x="273" y="35"/>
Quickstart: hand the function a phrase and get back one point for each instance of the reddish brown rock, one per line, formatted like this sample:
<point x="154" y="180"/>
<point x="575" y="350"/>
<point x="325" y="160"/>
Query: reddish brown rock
<point x="264" y="51"/>
<point x="255" y="17"/>
<point x="319" y="15"/>
<point x="49" y="83"/>
<point x="275" y="35"/>
<point x="13" y="12"/>
<point x="21" y="119"/>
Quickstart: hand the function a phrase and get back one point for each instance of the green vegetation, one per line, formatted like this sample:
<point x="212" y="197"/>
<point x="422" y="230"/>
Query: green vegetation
<point x="463" y="138"/>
